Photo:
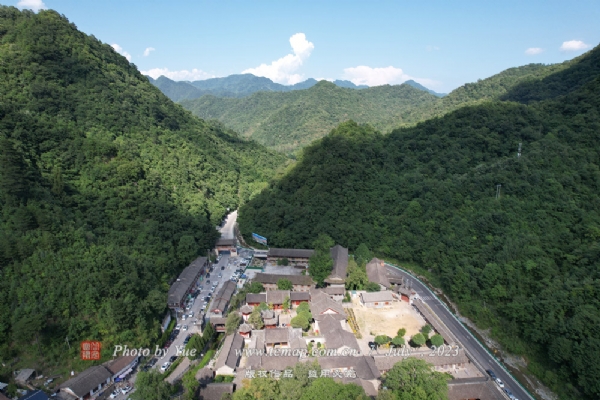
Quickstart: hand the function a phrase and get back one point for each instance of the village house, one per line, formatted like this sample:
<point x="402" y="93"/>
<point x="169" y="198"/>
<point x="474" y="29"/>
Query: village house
<point x="226" y="246"/>
<point x="229" y="355"/>
<point x="121" y="367"/>
<point x="336" y="337"/>
<point x="215" y="391"/>
<point x="300" y="283"/>
<point x="245" y="330"/>
<point x="222" y="299"/>
<point x="246" y="310"/>
<point x="377" y="273"/>
<point x="474" y="388"/>
<point x="295" y="257"/>
<point x="218" y="323"/>
<point x="185" y="283"/>
<point x="321" y="304"/>
<point x="88" y="383"/>
<point x="377" y="299"/>
<point x="337" y="278"/>
<point x="270" y="319"/>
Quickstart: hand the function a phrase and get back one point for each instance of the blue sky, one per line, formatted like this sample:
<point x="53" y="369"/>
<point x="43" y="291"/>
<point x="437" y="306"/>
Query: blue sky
<point x="441" y="44"/>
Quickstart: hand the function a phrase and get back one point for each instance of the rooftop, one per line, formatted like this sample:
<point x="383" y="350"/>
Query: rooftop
<point x="377" y="273"/>
<point x="340" y="264"/>
<point x="290" y="253"/>
<point x="335" y="336"/>
<point x="215" y="391"/>
<point x="120" y="363"/>
<point x="377" y="296"/>
<point x="273" y="278"/>
<point x="186" y="279"/>
<point x="225" y="242"/>
<point x="87" y="380"/>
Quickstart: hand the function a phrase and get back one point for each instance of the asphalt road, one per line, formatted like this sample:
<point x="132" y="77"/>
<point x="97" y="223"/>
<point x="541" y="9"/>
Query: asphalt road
<point x="470" y="343"/>
<point x="230" y="264"/>
<point x="227" y="229"/>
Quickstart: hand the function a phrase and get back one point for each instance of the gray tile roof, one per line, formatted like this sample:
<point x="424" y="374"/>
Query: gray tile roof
<point x="185" y="280"/>
<point x="215" y="391"/>
<point x="300" y="296"/>
<point x="225" y="242"/>
<point x="373" y="297"/>
<point x="268" y="363"/>
<point x="290" y="253"/>
<point x="223" y="297"/>
<point x="377" y="273"/>
<point x="340" y="264"/>
<point x="277" y="296"/>
<point x="335" y="290"/>
<point x="228" y="355"/>
<point x="218" y="320"/>
<point x="87" y="380"/>
<point x="459" y="389"/>
<point x="277" y="335"/>
<point x="246" y="309"/>
<point x="25" y="374"/>
<point x="245" y="328"/>
<point x="257" y="340"/>
<point x="436" y="323"/>
<point x="119" y="363"/>
<point x="305" y="280"/>
<point x="252" y="298"/>
<point x="320" y="302"/>
<point x="335" y="336"/>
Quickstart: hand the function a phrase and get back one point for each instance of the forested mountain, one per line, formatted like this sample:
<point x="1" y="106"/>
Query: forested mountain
<point x="240" y="85"/>
<point x="107" y="190"/>
<point x="287" y="121"/>
<point x="417" y="85"/>
<point x="525" y="264"/>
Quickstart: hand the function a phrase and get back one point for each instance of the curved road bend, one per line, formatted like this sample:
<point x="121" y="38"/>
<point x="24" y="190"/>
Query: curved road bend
<point x="470" y="343"/>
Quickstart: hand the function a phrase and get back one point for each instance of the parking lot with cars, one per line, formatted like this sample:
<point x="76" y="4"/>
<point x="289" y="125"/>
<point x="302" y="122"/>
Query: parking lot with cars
<point x="189" y="321"/>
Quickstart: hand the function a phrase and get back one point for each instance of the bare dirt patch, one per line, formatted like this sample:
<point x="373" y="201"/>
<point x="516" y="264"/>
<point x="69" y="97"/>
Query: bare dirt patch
<point x="386" y="321"/>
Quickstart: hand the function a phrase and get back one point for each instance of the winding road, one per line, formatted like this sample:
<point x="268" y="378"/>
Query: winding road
<point x="470" y="343"/>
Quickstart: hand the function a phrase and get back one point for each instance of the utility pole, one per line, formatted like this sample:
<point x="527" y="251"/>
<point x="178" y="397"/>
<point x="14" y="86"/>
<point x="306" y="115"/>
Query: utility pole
<point x="519" y="153"/>
<point x="498" y="186"/>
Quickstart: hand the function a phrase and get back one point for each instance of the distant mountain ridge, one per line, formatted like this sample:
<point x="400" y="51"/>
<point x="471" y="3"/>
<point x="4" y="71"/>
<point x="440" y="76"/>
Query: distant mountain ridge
<point x="417" y="85"/>
<point x="239" y="85"/>
<point x="286" y="121"/>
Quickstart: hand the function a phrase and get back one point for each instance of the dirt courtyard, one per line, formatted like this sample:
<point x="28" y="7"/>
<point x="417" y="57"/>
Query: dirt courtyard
<point x="387" y="321"/>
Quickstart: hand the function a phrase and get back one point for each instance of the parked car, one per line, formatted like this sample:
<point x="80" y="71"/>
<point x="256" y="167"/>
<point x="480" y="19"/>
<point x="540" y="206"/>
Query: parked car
<point x="126" y="389"/>
<point x="207" y="299"/>
<point x="208" y="281"/>
<point x="220" y="275"/>
<point x="114" y="395"/>
<point x="499" y="382"/>
<point x="178" y="327"/>
<point x="491" y="373"/>
<point x="223" y="268"/>
<point x="172" y="359"/>
<point x="184" y="328"/>
<point x="164" y="367"/>
<point x="176" y="332"/>
<point x="191" y="315"/>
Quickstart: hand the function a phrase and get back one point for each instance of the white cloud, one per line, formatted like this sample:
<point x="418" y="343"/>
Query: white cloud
<point x="282" y="70"/>
<point x="183" y="75"/>
<point x="121" y="51"/>
<point x="532" y="51"/>
<point x="148" y="50"/>
<point x="35" y="5"/>
<point x="363" y="75"/>
<point x="574" y="45"/>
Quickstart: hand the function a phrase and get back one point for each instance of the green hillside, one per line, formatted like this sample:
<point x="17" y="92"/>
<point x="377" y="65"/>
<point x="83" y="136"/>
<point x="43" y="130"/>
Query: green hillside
<point x="288" y="121"/>
<point x="526" y="264"/>
<point x="107" y="190"/>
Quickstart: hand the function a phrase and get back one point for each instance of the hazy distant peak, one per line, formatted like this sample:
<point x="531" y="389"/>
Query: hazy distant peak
<point x="417" y="85"/>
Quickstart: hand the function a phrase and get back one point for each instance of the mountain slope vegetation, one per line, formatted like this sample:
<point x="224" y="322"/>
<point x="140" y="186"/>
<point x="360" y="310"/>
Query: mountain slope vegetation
<point x="525" y="264"/>
<point x="287" y="121"/>
<point x="107" y="190"/>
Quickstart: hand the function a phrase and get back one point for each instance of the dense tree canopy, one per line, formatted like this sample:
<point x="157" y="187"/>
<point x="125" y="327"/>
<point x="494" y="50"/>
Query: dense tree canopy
<point x="522" y="257"/>
<point x="107" y="190"/>
<point x="414" y="379"/>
